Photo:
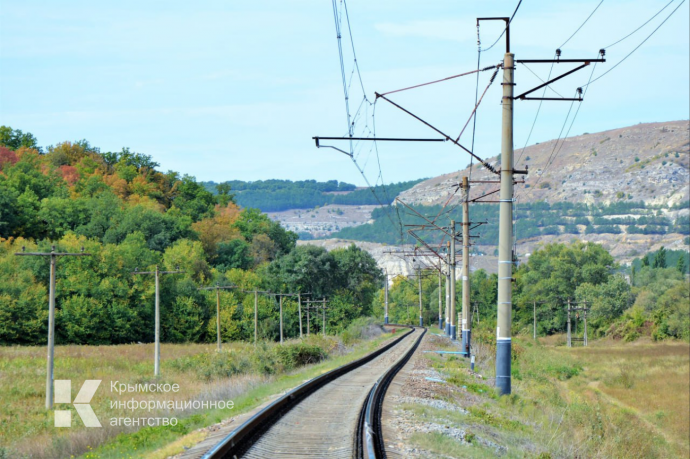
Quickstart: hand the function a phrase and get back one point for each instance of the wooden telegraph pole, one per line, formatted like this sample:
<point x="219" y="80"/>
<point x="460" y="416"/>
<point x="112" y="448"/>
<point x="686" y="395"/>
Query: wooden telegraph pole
<point x="51" y="312"/>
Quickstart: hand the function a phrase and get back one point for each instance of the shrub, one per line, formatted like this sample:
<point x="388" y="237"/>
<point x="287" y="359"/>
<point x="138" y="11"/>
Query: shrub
<point x="298" y="354"/>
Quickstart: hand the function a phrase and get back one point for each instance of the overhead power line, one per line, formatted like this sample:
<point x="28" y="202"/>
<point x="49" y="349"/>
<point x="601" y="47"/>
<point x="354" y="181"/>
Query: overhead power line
<point x="504" y="30"/>
<point x="583" y="24"/>
<point x="637" y="47"/>
<point x="646" y="22"/>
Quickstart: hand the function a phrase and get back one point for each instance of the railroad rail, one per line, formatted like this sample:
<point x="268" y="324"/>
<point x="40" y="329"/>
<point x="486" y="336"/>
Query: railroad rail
<point x="336" y="414"/>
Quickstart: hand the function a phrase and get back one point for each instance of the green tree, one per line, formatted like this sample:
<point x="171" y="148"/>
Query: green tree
<point x="660" y="258"/>
<point x="681" y="266"/>
<point x="15" y="138"/>
<point x="361" y="276"/>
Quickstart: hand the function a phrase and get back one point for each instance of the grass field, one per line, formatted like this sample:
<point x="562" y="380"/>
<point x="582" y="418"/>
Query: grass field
<point x="240" y="373"/>
<point x="608" y="400"/>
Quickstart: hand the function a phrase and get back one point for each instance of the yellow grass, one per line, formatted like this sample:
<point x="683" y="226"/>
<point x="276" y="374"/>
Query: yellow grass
<point x="611" y="399"/>
<point x="651" y="379"/>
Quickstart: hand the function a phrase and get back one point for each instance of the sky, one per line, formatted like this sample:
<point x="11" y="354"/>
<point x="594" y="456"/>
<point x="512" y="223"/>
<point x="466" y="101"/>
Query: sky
<point x="235" y="90"/>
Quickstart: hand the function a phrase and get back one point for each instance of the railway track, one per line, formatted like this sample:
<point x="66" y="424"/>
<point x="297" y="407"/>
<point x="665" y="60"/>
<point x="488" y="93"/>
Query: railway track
<point x="335" y="415"/>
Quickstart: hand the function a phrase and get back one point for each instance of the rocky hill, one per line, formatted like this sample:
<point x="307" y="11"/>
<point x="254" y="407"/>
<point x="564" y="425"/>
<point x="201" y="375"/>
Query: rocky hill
<point x="647" y="162"/>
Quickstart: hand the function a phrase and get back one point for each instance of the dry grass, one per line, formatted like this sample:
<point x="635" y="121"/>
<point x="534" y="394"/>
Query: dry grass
<point x="28" y="430"/>
<point x="611" y="399"/>
<point x="652" y="380"/>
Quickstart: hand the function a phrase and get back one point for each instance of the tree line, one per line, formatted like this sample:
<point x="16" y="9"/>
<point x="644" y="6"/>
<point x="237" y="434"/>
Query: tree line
<point x="129" y="215"/>
<point x="654" y="302"/>
<point x="532" y="220"/>
<point x="279" y="195"/>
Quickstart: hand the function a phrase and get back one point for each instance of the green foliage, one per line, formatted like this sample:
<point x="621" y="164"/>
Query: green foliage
<point x="128" y="215"/>
<point x="15" y="138"/>
<point x="558" y="272"/>
<point x="278" y="195"/>
<point x="531" y="220"/>
<point x="264" y="359"/>
<point x="672" y="258"/>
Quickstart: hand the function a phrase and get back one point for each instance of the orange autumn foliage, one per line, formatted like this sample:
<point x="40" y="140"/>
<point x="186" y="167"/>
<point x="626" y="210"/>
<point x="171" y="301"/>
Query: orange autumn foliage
<point x="69" y="174"/>
<point x="217" y="229"/>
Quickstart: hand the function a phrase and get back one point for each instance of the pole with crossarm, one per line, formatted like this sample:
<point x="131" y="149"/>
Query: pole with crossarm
<point x="51" y="312"/>
<point x="157" y="345"/>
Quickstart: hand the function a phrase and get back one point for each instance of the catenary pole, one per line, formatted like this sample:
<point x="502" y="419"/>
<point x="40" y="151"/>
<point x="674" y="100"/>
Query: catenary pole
<point x="385" y="319"/>
<point x="453" y="318"/>
<point x="421" y="317"/>
<point x="466" y="312"/>
<point x="440" y="297"/>
<point x="505" y="236"/>
<point x="447" y="325"/>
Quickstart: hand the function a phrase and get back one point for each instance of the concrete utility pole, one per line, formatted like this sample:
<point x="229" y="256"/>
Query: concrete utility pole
<point x="534" y="325"/>
<point x="256" y="315"/>
<point x="51" y="312"/>
<point x="453" y="335"/>
<point x="421" y="317"/>
<point x="505" y="235"/>
<point x="447" y="327"/>
<point x="440" y="297"/>
<point x="217" y="288"/>
<point x="574" y="307"/>
<point x="466" y="312"/>
<point x="308" y="319"/>
<point x="157" y="345"/>
<point x="299" y="312"/>
<point x="570" y="342"/>
<point x="385" y="318"/>
<point x="323" y="314"/>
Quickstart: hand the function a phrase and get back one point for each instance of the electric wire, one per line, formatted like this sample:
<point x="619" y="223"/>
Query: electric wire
<point x="504" y="30"/>
<point x="569" y="128"/>
<point x="355" y="150"/>
<point x="646" y="22"/>
<point x="555" y="146"/>
<point x="539" y="78"/>
<point x="583" y="24"/>
<point x="535" y="116"/>
<point x="637" y="47"/>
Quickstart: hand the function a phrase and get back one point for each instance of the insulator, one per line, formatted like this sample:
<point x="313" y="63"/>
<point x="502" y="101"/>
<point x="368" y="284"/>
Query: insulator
<point x="602" y="52"/>
<point x="558" y="52"/>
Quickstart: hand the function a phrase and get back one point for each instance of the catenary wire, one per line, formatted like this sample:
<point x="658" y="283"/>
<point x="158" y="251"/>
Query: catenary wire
<point x="637" y="47"/>
<point x="504" y="30"/>
<point x="583" y="24"/>
<point x="646" y="22"/>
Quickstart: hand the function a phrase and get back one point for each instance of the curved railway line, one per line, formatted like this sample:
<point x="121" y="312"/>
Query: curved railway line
<point x="333" y="415"/>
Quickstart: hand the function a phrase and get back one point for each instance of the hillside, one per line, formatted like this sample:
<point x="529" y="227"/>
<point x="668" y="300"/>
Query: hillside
<point x="626" y="189"/>
<point x="284" y="195"/>
<point x="646" y="162"/>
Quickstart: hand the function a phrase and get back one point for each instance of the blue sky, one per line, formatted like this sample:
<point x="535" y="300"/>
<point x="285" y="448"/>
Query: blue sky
<point x="235" y="90"/>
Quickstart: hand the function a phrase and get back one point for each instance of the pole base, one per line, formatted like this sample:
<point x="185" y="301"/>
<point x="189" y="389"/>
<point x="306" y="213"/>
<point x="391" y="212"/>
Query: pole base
<point x="385" y="320"/>
<point x="503" y="354"/>
<point x="453" y="333"/>
<point x="421" y="322"/>
<point x="447" y="329"/>
<point x="440" y="324"/>
<point x="466" y="342"/>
